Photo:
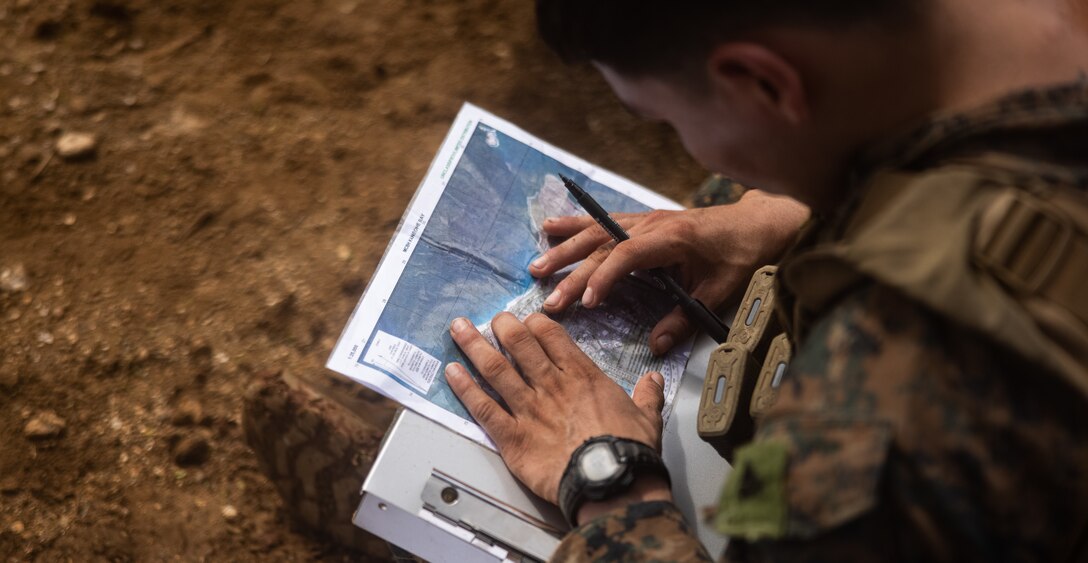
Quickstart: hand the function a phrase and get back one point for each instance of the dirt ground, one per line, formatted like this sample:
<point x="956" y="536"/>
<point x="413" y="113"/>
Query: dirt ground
<point x="247" y="162"/>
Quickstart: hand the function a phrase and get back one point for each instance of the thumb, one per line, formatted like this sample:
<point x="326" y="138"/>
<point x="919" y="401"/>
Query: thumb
<point x="675" y="327"/>
<point x="649" y="395"/>
<point x="671" y="330"/>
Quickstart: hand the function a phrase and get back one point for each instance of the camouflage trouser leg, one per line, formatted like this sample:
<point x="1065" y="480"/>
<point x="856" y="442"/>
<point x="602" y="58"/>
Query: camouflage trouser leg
<point x="315" y="439"/>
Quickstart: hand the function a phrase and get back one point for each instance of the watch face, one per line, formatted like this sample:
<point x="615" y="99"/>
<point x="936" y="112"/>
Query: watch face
<point x="599" y="463"/>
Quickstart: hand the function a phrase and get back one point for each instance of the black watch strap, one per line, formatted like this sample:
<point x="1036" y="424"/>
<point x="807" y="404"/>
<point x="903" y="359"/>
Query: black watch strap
<point x="635" y="459"/>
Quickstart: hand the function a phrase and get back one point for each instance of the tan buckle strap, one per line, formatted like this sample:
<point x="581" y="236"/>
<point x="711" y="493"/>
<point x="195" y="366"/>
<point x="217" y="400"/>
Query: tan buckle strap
<point x="1035" y="249"/>
<point x="1027" y="245"/>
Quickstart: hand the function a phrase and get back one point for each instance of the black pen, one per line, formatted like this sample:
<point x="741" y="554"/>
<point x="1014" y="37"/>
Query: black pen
<point x="695" y="310"/>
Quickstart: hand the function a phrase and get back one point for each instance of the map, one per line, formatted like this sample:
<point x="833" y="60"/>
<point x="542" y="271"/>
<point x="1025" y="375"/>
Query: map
<point x="463" y="249"/>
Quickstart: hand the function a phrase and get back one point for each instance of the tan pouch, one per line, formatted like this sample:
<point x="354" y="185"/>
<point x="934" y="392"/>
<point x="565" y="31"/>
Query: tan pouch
<point x="724" y="419"/>
<point x="730" y="379"/>
<point x="771" y="375"/>
<point x="756" y="322"/>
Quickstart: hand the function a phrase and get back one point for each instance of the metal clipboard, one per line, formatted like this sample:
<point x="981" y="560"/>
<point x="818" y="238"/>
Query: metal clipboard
<point x="445" y="498"/>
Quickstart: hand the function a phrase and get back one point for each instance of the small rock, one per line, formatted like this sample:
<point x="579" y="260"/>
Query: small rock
<point x="52" y="126"/>
<point x="8" y="378"/>
<point x="9" y="485"/>
<point x="44" y="426"/>
<point x="13" y="279"/>
<point x="187" y="413"/>
<point x="192" y="450"/>
<point x="230" y="514"/>
<point x="74" y="146"/>
<point x="78" y="105"/>
<point x="29" y="155"/>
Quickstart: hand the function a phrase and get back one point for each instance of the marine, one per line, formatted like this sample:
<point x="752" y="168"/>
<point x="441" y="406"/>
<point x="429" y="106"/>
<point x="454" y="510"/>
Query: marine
<point x="930" y="284"/>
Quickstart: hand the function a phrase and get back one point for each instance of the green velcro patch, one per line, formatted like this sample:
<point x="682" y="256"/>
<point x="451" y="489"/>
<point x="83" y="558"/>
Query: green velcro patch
<point x="753" y="502"/>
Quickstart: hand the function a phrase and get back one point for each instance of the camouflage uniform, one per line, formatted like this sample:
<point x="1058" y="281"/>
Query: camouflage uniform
<point x="315" y="437"/>
<point x="919" y="421"/>
<point x="718" y="190"/>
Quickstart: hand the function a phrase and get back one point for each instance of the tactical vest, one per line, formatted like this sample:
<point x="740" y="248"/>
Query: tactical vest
<point x="992" y="243"/>
<point x="983" y="242"/>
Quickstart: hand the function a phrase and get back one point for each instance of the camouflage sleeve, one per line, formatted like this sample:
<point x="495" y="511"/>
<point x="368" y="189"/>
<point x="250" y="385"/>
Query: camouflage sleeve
<point x="898" y="436"/>
<point x="718" y="190"/>
<point x="649" y="531"/>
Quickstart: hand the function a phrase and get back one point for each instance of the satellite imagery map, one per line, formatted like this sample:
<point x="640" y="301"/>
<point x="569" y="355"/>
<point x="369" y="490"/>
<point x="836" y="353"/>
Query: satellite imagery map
<point x="471" y="258"/>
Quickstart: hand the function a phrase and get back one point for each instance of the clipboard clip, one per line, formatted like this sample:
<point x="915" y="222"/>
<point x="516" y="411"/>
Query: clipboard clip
<point x="491" y="522"/>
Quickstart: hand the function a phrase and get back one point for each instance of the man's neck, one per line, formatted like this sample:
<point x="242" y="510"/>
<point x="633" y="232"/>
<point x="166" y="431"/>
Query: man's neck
<point x="965" y="54"/>
<point x="988" y="49"/>
<point x="869" y="83"/>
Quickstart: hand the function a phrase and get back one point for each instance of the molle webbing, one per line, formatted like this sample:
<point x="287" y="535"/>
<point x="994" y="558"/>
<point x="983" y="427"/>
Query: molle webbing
<point x="996" y="250"/>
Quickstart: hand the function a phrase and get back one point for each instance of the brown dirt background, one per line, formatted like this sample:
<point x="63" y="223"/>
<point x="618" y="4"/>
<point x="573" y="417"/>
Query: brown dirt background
<point x="253" y="158"/>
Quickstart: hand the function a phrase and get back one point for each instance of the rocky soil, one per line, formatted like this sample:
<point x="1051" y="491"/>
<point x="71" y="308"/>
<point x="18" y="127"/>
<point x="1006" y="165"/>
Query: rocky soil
<point x="194" y="192"/>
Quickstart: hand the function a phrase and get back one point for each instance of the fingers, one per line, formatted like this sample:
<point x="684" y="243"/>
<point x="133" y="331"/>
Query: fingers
<point x="649" y="395"/>
<point x="522" y="345"/>
<point x="580" y="245"/>
<point x="573" y="224"/>
<point x="491" y="364"/>
<point x="496" y="421"/>
<point x="556" y="343"/>
<point x="573" y="286"/>
<point x="676" y="327"/>
<point x="567" y="226"/>
<point x="576" y="248"/>
<point x="636" y="254"/>
<point x="650" y="246"/>
<point x="672" y="328"/>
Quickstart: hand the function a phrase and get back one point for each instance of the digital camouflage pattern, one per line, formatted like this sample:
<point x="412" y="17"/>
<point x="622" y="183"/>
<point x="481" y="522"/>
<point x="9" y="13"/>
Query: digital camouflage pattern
<point x="650" y="531"/>
<point x="906" y="436"/>
<point x="315" y="437"/>
<point x="951" y="454"/>
<point x="718" y="190"/>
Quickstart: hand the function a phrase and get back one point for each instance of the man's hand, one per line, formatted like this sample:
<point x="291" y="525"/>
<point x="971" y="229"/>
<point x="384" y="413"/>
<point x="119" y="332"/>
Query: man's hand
<point x="559" y="400"/>
<point x="715" y="250"/>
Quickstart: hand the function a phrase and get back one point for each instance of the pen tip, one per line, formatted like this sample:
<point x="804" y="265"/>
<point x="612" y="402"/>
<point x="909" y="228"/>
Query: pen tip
<point x="564" y="178"/>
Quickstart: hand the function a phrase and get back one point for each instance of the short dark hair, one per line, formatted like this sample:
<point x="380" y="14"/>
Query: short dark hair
<point x="639" y="37"/>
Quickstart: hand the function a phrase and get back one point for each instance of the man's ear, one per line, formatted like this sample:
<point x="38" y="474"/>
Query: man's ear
<point x="762" y="76"/>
